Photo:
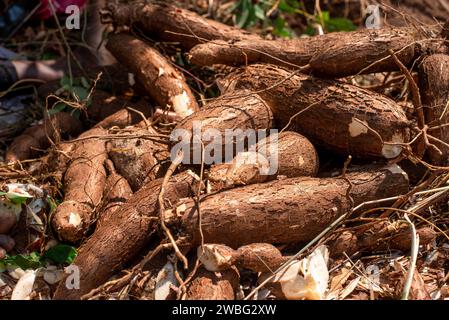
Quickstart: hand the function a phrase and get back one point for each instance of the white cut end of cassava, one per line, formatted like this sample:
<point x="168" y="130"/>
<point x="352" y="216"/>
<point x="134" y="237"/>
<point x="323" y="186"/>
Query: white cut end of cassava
<point x="181" y="103"/>
<point x="215" y="257"/>
<point x="305" y="279"/>
<point x="160" y="72"/>
<point x="357" y="127"/>
<point x="391" y="151"/>
<point x="164" y="281"/>
<point x="74" y="219"/>
<point x="24" y="286"/>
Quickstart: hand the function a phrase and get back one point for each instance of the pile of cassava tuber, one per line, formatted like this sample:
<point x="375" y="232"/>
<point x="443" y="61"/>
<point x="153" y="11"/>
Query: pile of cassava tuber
<point x="137" y="186"/>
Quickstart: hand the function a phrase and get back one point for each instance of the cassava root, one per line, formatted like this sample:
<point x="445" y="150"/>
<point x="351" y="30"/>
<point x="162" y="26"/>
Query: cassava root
<point x="284" y="211"/>
<point x="340" y="117"/>
<point x="165" y="84"/>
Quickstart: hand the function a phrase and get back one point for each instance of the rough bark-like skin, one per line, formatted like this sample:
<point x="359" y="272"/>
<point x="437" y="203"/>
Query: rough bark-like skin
<point x="328" y="112"/>
<point x="84" y="182"/>
<point x="377" y="237"/>
<point x="213" y="285"/>
<point x="260" y="257"/>
<point x="246" y="168"/>
<point x="434" y="89"/>
<point x="287" y="53"/>
<point x="116" y="192"/>
<point x="285" y="211"/>
<point x="164" y="20"/>
<point x="233" y="111"/>
<point x="136" y="159"/>
<point x="296" y="154"/>
<point x="108" y="110"/>
<point x="353" y="52"/>
<point x="122" y="237"/>
<point x="165" y="84"/>
<point x="336" y="54"/>
<point x="292" y="155"/>
<point x="37" y="137"/>
<point x="124" y="117"/>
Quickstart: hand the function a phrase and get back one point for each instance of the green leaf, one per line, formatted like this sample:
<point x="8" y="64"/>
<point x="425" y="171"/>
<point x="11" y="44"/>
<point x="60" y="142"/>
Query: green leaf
<point x="66" y="82"/>
<point x="31" y="261"/>
<point x="325" y="16"/>
<point x="61" y="253"/>
<point x="49" y="56"/>
<point x="60" y="106"/>
<point x="258" y="12"/>
<point x="287" y="6"/>
<point x="85" y="83"/>
<point x="76" y="113"/>
<point x="80" y="93"/>
<point x="340" y="24"/>
<point x="281" y="29"/>
<point x="242" y="18"/>
<point x="52" y="203"/>
<point x="18" y="199"/>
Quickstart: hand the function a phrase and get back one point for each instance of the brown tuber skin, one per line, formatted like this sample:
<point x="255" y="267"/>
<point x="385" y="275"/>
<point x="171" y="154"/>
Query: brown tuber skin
<point x="84" y="182"/>
<point x="38" y="137"/>
<point x="284" y="211"/>
<point x="434" y="89"/>
<point x="257" y="257"/>
<point x="213" y="285"/>
<point x="8" y="220"/>
<point x="165" y="84"/>
<point x="332" y="114"/>
<point x="237" y="110"/>
<point x="116" y="192"/>
<point x="6" y="242"/>
<point x="378" y="236"/>
<point x="137" y="159"/>
<point x="170" y="23"/>
<point x="124" y="117"/>
<point x="293" y="155"/>
<point x="296" y="154"/>
<point x="337" y="54"/>
<point x="122" y="237"/>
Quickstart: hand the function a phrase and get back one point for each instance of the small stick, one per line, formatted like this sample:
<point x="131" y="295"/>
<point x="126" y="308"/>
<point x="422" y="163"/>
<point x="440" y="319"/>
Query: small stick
<point x="414" y="255"/>
<point x="416" y="97"/>
<point x="175" y="163"/>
